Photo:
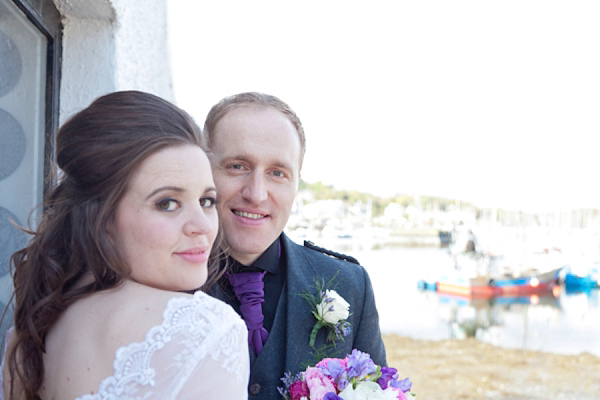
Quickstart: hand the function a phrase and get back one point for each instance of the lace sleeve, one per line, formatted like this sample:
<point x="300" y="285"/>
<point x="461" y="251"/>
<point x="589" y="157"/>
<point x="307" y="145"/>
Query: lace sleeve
<point x="199" y="351"/>
<point x="224" y="372"/>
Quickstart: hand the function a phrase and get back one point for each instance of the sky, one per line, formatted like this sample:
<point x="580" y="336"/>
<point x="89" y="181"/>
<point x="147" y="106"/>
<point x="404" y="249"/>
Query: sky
<point x="496" y="103"/>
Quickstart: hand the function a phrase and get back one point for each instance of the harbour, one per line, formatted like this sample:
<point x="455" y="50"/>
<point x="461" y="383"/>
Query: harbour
<point x="559" y="321"/>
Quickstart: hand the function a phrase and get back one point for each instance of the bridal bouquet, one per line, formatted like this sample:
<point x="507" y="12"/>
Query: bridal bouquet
<point x="355" y="377"/>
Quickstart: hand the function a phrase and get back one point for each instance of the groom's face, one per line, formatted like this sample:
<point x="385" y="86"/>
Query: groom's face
<point x="255" y="156"/>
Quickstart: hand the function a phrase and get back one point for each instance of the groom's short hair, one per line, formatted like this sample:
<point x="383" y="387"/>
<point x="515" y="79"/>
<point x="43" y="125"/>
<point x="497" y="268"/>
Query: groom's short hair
<point x="230" y="103"/>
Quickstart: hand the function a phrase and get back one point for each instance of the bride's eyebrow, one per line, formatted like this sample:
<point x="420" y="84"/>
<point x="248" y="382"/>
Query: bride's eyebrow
<point x="165" y="188"/>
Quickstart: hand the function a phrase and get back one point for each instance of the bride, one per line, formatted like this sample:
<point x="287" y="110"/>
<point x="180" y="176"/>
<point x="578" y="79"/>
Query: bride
<point x="102" y="309"/>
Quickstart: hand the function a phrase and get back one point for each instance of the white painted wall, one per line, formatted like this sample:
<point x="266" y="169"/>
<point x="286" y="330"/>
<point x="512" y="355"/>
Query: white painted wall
<point x="111" y="45"/>
<point x="108" y="45"/>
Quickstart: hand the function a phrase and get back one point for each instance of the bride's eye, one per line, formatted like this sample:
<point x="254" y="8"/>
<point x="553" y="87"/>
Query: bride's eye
<point x="168" y="205"/>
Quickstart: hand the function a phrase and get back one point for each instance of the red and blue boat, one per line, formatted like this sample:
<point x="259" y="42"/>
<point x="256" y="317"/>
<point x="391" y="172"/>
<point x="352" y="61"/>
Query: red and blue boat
<point x="485" y="287"/>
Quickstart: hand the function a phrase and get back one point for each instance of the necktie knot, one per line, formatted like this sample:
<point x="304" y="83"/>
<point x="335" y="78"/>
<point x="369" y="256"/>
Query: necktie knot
<point x="249" y="289"/>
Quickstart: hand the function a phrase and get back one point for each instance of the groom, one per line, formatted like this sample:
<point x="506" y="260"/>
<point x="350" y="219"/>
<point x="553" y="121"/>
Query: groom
<point x="256" y="146"/>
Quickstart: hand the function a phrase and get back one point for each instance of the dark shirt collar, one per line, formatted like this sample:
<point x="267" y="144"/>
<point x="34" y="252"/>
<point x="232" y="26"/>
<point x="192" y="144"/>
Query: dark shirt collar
<point x="268" y="261"/>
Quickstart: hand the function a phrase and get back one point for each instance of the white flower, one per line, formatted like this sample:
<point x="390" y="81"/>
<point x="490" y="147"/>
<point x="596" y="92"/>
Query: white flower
<point x="367" y="391"/>
<point x="333" y="308"/>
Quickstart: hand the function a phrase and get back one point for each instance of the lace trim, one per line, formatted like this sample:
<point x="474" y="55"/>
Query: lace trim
<point x="196" y="319"/>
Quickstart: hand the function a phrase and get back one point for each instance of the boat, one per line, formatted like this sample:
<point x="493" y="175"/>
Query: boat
<point x="423" y="284"/>
<point x="486" y="287"/>
<point x="581" y="275"/>
<point x="578" y="282"/>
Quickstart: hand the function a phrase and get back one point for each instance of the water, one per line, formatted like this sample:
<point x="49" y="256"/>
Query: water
<point x="568" y="323"/>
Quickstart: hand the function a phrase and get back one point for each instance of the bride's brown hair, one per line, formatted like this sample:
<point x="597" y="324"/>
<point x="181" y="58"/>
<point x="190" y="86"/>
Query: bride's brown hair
<point x="97" y="150"/>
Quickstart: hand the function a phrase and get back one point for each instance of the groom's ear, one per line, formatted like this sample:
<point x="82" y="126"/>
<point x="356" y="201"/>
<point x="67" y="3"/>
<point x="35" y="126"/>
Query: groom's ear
<point x="331" y="253"/>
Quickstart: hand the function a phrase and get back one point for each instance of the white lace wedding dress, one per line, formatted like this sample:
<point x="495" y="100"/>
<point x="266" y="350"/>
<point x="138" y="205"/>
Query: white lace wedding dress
<point x="200" y="351"/>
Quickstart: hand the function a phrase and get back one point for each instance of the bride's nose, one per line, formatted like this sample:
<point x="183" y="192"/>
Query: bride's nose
<point x="198" y="222"/>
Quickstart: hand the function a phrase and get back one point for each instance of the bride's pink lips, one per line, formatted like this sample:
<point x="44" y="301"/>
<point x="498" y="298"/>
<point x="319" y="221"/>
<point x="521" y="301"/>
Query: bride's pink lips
<point x="194" y="255"/>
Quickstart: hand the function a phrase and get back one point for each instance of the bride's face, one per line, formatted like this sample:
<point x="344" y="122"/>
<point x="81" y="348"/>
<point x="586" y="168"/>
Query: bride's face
<point x="167" y="221"/>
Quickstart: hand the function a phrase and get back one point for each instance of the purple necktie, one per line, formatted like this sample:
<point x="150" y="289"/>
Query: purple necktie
<point x="249" y="289"/>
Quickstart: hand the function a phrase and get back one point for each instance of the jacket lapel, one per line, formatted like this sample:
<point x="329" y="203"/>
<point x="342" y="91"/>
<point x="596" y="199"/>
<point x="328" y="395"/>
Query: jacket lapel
<point x="300" y="320"/>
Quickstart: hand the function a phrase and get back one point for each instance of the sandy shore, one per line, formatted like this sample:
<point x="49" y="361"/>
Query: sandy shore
<point x="469" y="369"/>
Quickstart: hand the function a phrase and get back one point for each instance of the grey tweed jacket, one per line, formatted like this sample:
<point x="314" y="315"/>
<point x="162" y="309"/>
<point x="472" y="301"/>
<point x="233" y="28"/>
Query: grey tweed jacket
<point x="287" y="347"/>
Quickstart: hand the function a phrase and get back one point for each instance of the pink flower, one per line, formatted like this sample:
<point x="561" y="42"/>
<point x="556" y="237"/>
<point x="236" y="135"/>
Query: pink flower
<point x="298" y="390"/>
<point x="323" y="363"/>
<point x="318" y="384"/>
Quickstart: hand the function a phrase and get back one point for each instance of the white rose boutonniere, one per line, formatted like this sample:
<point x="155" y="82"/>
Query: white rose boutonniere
<point x="332" y="308"/>
<point x="331" y="312"/>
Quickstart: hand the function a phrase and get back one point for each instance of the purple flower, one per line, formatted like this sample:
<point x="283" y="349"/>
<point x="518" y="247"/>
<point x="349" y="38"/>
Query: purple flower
<point x="341" y="329"/>
<point x="360" y="365"/>
<point x="388" y="376"/>
<point x="283" y="392"/>
<point x="403" y="385"/>
<point x="342" y="384"/>
<point x="346" y="328"/>
<point x="334" y="369"/>
<point x="331" y="396"/>
<point x="288" y="378"/>
<point x="338" y="332"/>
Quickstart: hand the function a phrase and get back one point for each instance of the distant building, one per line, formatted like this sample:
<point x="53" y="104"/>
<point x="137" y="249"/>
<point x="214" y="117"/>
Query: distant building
<point x="393" y="215"/>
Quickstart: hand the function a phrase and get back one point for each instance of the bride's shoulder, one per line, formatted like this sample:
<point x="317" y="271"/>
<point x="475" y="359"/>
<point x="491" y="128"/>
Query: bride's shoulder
<point x="137" y="295"/>
<point x="216" y="306"/>
<point x="108" y="320"/>
<point x="126" y="301"/>
<point x="202" y="309"/>
<point x="173" y="304"/>
<point x="182" y="315"/>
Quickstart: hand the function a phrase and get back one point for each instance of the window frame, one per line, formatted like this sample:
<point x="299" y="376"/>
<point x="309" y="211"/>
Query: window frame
<point x="46" y="18"/>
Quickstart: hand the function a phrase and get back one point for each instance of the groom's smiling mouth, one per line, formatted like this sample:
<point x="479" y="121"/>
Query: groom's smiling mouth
<point x="249" y="215"/>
